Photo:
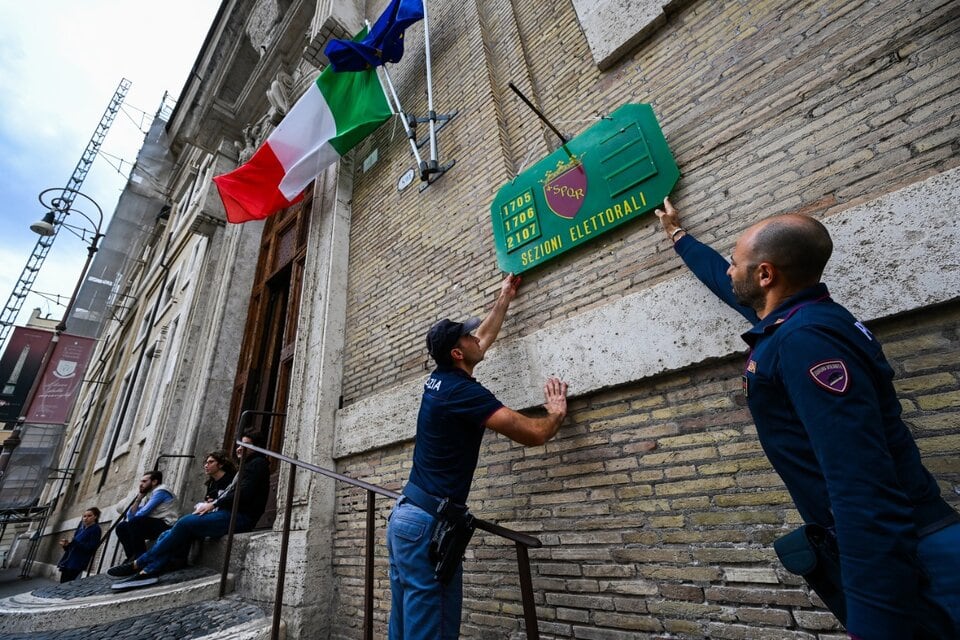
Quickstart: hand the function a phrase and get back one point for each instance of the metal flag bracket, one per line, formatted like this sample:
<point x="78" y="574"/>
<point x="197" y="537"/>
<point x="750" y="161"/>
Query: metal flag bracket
<point x="431" y="170"/>
<point x="442" y="119"/>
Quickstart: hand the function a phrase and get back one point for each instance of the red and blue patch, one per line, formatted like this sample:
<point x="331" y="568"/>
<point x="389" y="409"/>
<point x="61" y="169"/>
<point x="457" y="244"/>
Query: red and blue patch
<point x="832" y="375"/>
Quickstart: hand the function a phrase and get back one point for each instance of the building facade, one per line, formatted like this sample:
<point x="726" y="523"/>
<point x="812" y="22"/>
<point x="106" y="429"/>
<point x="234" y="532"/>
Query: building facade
<point x="655" y="504"/>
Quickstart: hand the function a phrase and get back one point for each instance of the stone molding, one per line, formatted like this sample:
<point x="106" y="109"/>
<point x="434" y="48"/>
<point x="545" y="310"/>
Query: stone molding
<point x="614" y="27"/>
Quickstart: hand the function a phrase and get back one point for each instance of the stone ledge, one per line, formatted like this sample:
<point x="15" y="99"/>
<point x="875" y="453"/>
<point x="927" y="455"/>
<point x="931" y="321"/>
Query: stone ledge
<point x="253" y="630"/>
<point x="229" y="618"/>
<point x="614" y="27"/>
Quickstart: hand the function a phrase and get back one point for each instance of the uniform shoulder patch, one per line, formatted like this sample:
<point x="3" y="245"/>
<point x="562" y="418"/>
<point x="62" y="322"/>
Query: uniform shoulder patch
<point x="832" y="375"/>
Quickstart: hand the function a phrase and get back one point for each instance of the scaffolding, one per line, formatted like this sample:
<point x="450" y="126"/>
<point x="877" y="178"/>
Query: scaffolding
<point x="29" y="274"/>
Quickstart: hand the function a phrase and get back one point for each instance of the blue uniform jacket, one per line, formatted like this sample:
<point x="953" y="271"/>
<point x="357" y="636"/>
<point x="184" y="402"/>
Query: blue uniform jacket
<point x="821" y="394"/>
<point x="450" y="427"/>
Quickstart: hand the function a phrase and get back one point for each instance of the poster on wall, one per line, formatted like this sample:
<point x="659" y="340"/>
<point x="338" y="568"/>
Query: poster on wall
<point x="19" y="367"/>
<point x="53" y="400"/>
<point x="611" y="174"/>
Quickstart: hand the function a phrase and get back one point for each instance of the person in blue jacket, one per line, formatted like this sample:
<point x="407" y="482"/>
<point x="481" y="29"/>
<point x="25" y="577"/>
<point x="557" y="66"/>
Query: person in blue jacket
<point x="821" y="394"/>
<point x="455" y="413"/>
<point x="78" y="551"/>
<point x="153" y="511"/>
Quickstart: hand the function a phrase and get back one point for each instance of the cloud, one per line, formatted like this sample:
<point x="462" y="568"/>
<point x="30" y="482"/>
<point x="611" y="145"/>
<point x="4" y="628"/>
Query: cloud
<point x="60" y="63"/>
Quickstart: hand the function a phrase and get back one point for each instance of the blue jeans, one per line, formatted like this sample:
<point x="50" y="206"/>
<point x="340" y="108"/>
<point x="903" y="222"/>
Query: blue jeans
<point x="939" y="554"/>
<point x="177" y="539"/>
<point x="421" y="608"/>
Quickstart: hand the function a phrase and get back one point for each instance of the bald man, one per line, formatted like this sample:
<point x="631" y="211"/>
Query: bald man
<point x="821" y="394"/>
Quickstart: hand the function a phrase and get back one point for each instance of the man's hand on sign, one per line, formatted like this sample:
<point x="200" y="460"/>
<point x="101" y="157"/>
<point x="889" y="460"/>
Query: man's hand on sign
<point x="670" y="220"/>
<point x="509" y="286"/>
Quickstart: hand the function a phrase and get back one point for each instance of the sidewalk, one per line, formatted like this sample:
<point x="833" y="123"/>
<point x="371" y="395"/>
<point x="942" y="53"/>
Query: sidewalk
<point x="184" y="605"/>
<point x="12" y="584"/>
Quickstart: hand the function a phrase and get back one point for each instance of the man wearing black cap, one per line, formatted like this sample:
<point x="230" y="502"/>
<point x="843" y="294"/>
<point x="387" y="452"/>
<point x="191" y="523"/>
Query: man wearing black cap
<point x="454" y="413"/>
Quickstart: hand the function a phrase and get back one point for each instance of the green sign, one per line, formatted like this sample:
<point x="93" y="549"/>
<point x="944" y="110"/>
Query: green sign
<point x="612" y="173"/>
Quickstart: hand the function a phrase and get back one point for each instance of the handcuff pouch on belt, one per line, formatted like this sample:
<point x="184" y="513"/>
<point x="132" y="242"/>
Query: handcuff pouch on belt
<point x="811" y="551"/>
<point x="451" y="534"/>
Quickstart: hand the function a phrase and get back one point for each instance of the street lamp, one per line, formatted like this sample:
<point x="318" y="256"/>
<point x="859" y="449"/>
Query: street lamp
<point x="59" y="203"/>
<point x="45" y="227"/>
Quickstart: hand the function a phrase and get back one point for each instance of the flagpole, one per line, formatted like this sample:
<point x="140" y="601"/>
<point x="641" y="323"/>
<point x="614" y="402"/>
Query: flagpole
<point x="433" y="167"/>
<point x="411" y="134"/>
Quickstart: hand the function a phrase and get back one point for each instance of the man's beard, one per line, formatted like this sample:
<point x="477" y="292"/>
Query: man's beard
<point x="748" y="294"/>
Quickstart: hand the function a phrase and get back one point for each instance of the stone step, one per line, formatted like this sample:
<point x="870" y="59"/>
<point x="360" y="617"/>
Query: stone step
<point x="90" y="601"/>
<point x="226" y="619"/>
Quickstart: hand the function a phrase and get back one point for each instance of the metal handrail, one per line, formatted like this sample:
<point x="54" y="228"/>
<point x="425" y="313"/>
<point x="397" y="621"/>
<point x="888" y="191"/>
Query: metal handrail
<point x="156" y="465"/>
<point x="521" y="540"/>
<point x="253" y="412"/>
<point x="105" y="540"/>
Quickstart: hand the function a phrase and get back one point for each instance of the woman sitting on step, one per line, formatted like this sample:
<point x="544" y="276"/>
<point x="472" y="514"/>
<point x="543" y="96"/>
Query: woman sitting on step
<point x="209" y="520"/>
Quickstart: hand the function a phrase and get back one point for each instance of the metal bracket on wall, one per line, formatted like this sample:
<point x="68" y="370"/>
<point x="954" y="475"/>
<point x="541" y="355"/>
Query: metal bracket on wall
<point x="442" y="120"/>
<point x="434" y="171"/>
<point x="63" y="473"/>
<point x="431" y="170"/>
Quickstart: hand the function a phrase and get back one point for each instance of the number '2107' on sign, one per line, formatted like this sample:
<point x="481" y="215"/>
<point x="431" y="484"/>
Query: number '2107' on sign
<point x="519" y="219"/>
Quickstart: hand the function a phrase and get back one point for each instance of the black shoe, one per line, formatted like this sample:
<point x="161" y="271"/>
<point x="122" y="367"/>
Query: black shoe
<point x="137" y="580"/>
<point x="122" y="570"/>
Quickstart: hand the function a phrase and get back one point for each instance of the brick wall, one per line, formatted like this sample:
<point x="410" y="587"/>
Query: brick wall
<point x="768" y="107"/>
<point x="655" y="505"/>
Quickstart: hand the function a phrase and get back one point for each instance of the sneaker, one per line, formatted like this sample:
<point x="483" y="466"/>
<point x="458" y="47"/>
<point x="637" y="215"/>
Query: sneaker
<point x="137" y="580"/>
<point x="122" y="570"/>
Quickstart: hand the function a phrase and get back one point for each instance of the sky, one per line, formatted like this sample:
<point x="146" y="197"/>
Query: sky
<point x="60" y="64"/>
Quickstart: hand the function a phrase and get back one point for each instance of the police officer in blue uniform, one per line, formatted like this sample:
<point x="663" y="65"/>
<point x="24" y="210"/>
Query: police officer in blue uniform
<point x="455" y="412"/>
<point x="821" y="394"/>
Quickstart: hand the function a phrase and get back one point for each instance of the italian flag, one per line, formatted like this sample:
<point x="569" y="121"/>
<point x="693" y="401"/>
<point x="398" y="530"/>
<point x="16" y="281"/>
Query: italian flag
<point x="337" y="112"/>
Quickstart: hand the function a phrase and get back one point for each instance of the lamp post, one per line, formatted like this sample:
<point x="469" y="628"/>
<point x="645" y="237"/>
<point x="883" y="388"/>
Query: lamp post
<point x="59" y="203"/>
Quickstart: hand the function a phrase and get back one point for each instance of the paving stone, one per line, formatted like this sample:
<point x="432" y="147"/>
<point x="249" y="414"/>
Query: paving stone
<point x="99" y="585"/>
<point x="180" y="623"/>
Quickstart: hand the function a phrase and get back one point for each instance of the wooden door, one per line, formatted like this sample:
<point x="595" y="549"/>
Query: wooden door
<point x="262" y="381"/>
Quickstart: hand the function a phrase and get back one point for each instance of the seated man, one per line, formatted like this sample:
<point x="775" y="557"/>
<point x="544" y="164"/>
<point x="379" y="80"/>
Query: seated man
<point x="209" y="520"/>
<point x="152" y="512"/>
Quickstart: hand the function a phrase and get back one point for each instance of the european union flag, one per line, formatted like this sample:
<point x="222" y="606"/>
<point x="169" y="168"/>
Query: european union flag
<point x="383" y="44"/>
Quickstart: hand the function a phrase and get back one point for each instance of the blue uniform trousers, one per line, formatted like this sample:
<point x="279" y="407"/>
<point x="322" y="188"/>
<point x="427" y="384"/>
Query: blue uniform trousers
<point x="939" y="555"/>
<point x="421" y="607"/>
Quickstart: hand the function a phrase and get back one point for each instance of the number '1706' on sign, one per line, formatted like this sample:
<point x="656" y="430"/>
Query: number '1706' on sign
<point x="519" y="218"/>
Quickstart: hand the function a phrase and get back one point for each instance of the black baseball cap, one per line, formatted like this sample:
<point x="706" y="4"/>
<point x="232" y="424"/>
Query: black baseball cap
<point x="443" y="337"/>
